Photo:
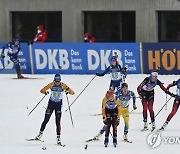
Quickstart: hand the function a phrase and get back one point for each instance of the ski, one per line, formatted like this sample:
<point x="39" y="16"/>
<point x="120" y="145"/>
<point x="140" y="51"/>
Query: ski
<point x="60" y="144"/>
<point x="92" y="139"/>
<point x="27" y="78"/>
<point x="127" y="141"/>
<point x="98" y="114"/>
<point x="160" y="129"/>
<point x="144" y="129"/>
<point x="34" y="139"/>
<point x="106" y="145"/>
<point x="152" y="130"/>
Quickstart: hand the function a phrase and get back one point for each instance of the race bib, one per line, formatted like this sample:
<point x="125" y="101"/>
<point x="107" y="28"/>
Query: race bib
<point x="57" y="94"/>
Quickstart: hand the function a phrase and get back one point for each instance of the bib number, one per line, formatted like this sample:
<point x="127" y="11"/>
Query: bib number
<point x="56" y="94"/>
<point x="115" y="75"/>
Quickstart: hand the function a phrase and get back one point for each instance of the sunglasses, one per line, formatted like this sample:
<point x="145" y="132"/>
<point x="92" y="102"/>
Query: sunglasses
<point x="57" y="81"/>
<point x="125" y="87"/>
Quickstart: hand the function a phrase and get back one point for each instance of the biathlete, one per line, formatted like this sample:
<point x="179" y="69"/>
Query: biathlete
<point x="146" y="93"/>
<point x="13" y="51"/>
<point x="124" y="96"/>
<point x="111" y="116"/>
<point x="115" y="73"/>
<point x="55" y="104"/>
<point x="175" y="104"/>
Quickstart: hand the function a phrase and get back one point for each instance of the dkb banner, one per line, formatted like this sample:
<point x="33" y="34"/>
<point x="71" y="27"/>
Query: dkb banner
<point x="83" y="58"/>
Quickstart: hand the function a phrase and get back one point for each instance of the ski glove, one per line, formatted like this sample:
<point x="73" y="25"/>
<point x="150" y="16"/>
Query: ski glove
<point x="117" y="122"/>
<point x="168" y="92"/>
<point x="2" y="55"/>
<point x="97" y="74"/>
<point x="104" y="120"/>
<point x="168" y="87"/>
<point x="124" y="72"/>
<point x="66" y="92"/>
<point x="46" y="93"/>
<point x="173" y="95"/>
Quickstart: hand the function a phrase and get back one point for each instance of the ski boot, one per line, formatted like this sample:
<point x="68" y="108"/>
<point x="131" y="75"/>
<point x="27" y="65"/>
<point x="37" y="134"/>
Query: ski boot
<point x="163" y="126"/>
<point x="19" y="75"/>
<point x="106" y="141"/>
<point x="38" y="137"/>
<point x="115" y="141"/>
<point x="145" y="126"/>
<point x="125" y="137"/>
<point x="153" y="126"/>
<point x="58" y="139"/>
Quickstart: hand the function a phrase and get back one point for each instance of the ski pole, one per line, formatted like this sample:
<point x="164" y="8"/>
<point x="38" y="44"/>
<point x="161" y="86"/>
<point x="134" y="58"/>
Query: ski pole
<point x="37" y="105"/>
<point x="166" y="103"/>
<point x="80" y="93"/>
<point x="69" y="110"/>
<point x="131" y="111"/>
<point x="4" y="67"/>
<point x="162" y="108"/>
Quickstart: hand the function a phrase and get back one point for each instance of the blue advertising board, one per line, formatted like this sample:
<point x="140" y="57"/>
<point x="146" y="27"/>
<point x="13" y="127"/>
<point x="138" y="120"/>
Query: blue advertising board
<point x="83" y="58"/>
<point x="7" y="66"/>
<point x="165" y="56"/>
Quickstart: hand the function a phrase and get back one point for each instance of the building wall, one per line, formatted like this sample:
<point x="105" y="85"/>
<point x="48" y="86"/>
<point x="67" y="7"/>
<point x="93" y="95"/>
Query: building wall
<point x="72" y="16"/>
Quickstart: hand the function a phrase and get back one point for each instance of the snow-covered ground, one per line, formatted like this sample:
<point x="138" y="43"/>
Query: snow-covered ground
<point x="18" y="97"/>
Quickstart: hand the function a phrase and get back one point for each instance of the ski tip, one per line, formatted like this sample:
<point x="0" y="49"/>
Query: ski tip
<point x="127" y="141"/>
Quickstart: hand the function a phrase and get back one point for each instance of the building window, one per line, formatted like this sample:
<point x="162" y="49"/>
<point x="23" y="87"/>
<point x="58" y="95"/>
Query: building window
<point x="169" y="26"/>
<point x="24" y="25"/>
<point x="110" y="26"/>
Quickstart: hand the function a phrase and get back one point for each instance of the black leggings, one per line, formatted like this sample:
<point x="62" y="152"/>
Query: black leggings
<point x="111" y="115"/>
<point x="51" y="107"/>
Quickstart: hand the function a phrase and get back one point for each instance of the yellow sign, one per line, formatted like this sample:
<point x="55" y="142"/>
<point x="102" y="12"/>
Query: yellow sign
<point x="167" y="59"/>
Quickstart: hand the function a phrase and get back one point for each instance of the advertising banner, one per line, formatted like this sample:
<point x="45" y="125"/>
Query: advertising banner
<point x="83" y="58"/>
<point x="162" y="56"/>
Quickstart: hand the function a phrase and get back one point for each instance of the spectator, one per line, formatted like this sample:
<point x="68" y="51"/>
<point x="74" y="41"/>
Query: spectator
<point x="41" y="35"/>
<point x="89" y="38"/>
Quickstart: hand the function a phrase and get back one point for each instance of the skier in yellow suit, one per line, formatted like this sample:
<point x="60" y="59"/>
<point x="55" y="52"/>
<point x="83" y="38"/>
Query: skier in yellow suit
<point x="55" y="103"/>
<point x="124" y="96"/>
